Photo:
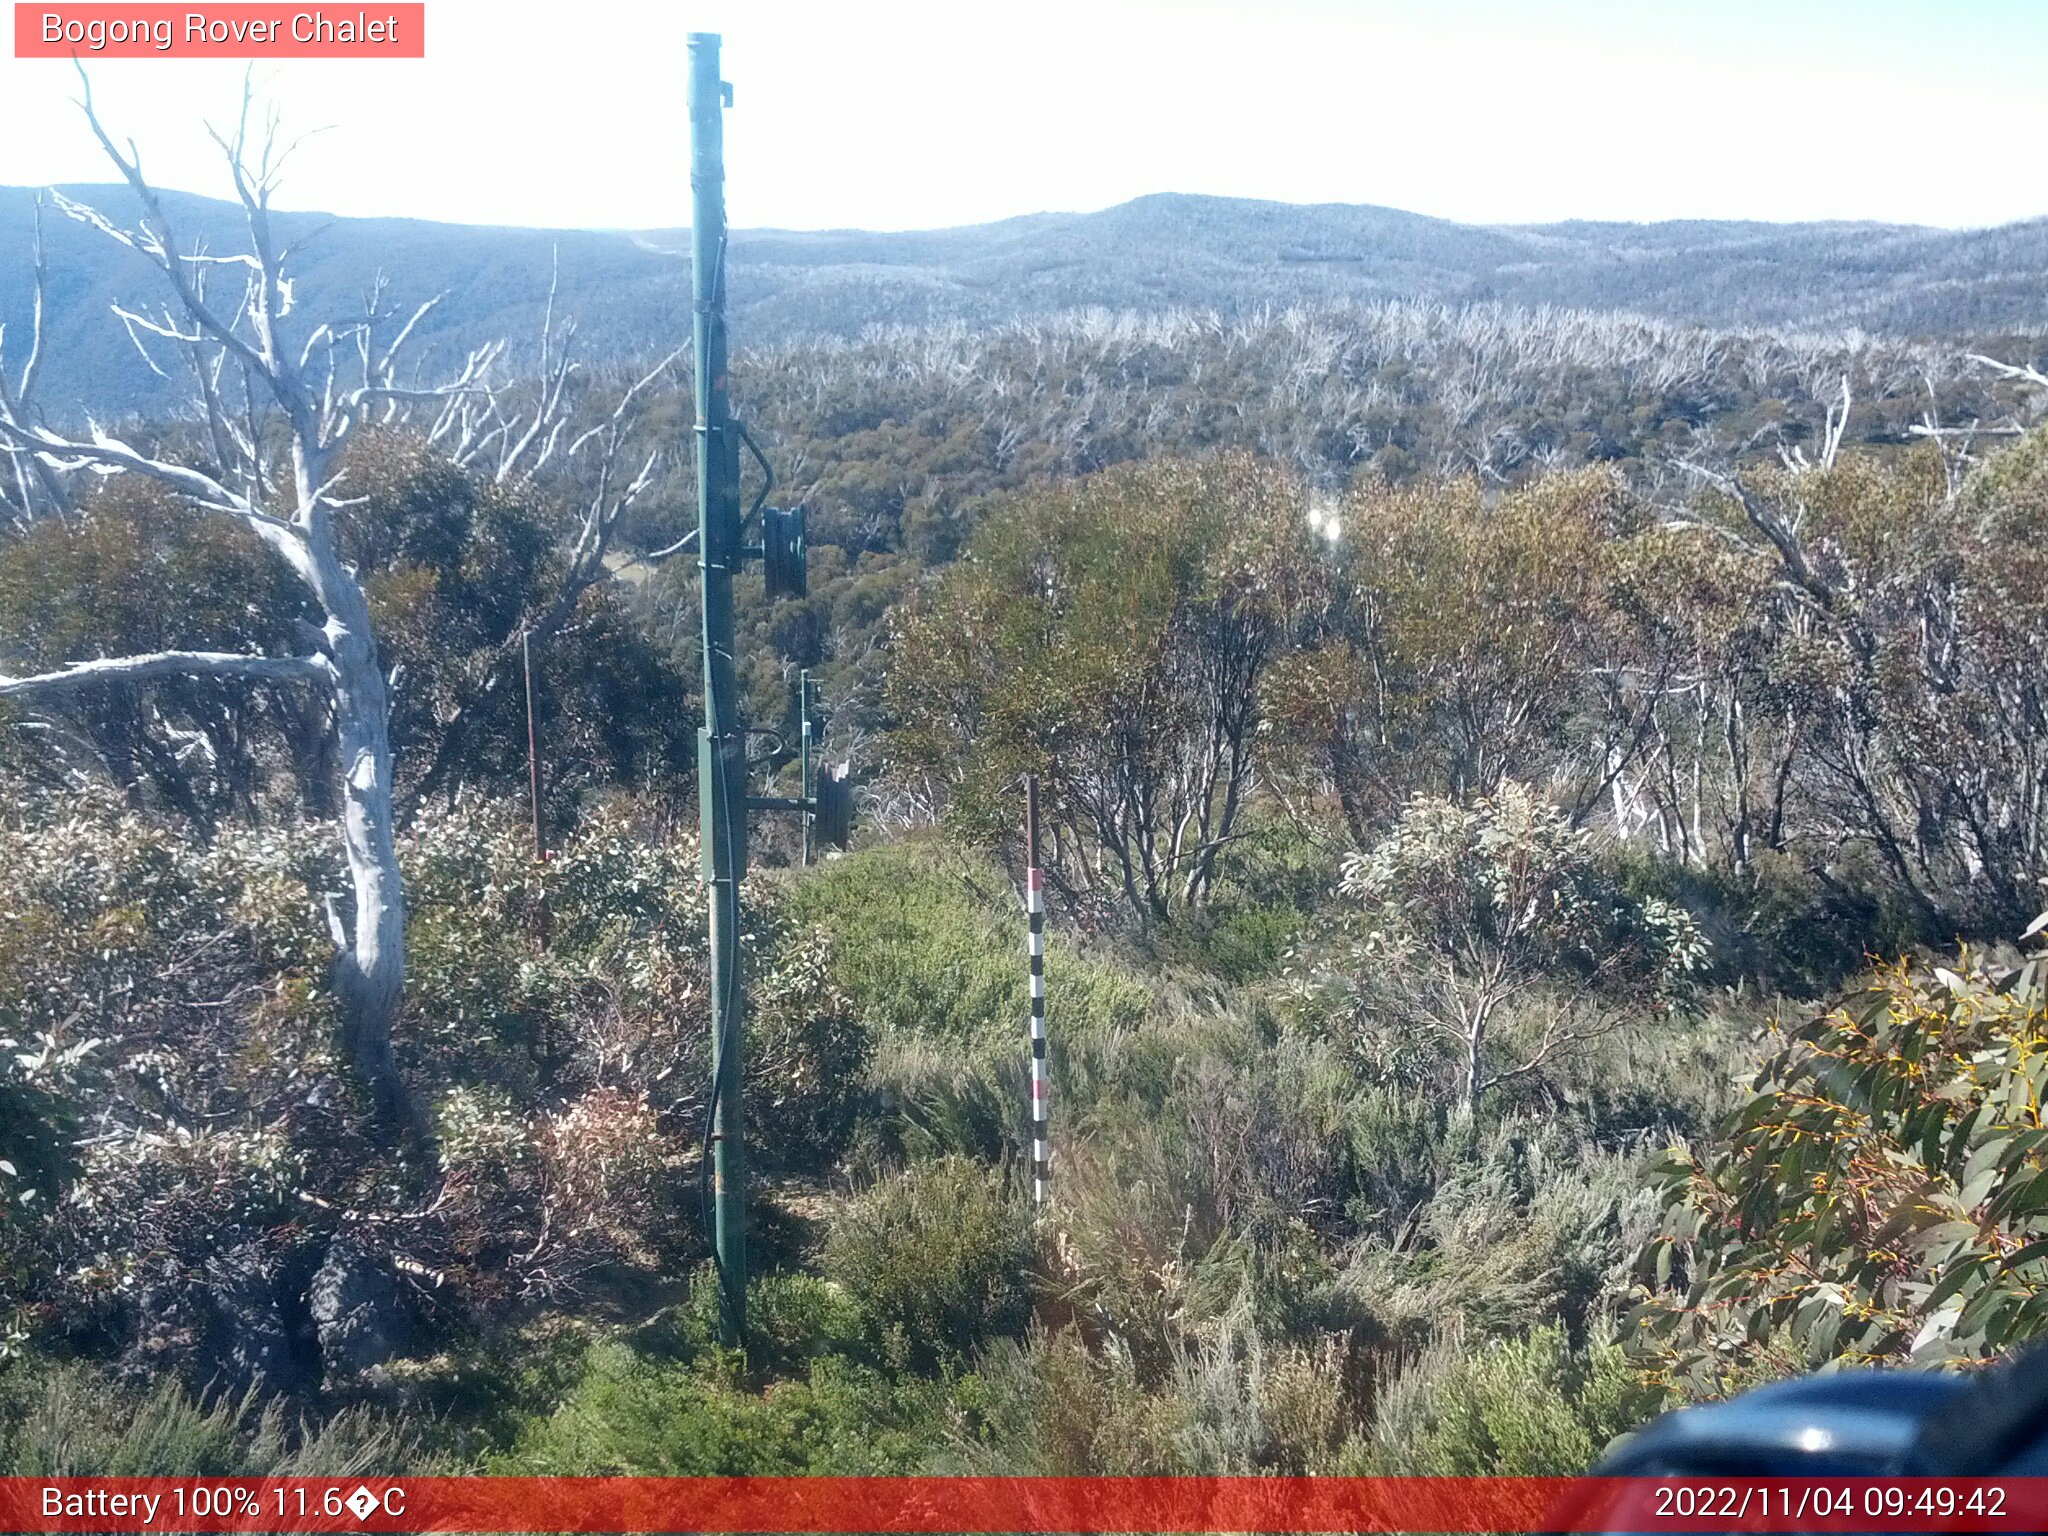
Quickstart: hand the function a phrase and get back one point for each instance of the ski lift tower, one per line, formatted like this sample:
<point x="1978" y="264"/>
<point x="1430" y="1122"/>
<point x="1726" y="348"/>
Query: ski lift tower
<point x="722" y="552"/>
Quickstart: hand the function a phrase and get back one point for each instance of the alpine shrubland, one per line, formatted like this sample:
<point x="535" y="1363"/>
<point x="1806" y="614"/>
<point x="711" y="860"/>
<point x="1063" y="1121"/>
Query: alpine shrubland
<point x="1543" y="819"/>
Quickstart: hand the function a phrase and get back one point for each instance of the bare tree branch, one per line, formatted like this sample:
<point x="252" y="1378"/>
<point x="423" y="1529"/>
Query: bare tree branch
<point x="2024" y="373"/>
<point x="133" y="669"/>
<point x="109" y="454"/>
<point x="35" y="481"/>
<point x="295" y="383"/>
<point x="607" y="505"/>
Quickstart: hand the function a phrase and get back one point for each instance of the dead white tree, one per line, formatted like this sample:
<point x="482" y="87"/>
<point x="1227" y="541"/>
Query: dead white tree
<point x="277" y="475"/>
<point x="2020" y="372"/>
<point x="1796" y="460"/>
<point x="35" y="490"/>
<point x="535" y="435"/>
<point x="611" y="494"/>
<point x="530" y="435"/>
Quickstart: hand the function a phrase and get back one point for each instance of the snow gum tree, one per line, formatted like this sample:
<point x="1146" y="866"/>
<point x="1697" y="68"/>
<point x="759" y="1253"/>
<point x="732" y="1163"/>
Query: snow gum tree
<point x="277" y="400"/>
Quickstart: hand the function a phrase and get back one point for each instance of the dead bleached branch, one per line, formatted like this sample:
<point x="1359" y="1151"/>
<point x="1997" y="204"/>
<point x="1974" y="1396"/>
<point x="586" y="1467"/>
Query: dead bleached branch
<point x="156" y="664"/>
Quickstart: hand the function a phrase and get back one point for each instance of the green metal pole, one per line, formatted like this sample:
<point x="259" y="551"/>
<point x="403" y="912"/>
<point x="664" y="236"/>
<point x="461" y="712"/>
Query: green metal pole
<point x="808" y="787"/>
<point x="721" y="744"/>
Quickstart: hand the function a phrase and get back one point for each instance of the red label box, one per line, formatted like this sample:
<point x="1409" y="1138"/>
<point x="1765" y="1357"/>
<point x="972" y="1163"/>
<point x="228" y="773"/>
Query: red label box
<point x="376" y="30"/>
<point x="1053" y="1506"/>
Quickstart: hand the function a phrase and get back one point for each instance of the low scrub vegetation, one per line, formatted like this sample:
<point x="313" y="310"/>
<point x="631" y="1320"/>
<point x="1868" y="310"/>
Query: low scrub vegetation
<point x="1525" y="949"/>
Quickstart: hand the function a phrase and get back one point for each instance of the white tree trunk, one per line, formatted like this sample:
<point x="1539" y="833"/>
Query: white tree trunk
<point x="302" y="380"/>
<point x="301" y="383"/>
<point x="370" y="967"/>
<point x="370" y="952"/>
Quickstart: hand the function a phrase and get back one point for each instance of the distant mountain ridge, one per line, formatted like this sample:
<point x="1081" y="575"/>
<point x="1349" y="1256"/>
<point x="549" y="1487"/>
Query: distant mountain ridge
<point x="630" y="290"/>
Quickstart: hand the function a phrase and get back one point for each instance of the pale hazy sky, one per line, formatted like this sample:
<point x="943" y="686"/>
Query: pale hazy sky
<point x="894" y="114"/>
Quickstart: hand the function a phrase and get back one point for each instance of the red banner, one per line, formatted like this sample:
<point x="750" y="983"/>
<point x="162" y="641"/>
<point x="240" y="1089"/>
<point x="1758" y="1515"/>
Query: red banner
<point x="233" y="31"/>
<point x="1021" y="1504"/>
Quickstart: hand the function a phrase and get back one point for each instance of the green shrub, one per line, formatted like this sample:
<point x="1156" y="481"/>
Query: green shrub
<point x="1777" y="923"/>
<point x="70" y="1421"/>
<point x="1488" y="940"/>
<point x="1397" y="1146"/>
<point x="1048" y="1406"/>
<point x="630" y="1415"/>
<point x="1241" y="1149"/>
<point x="931" y="942"/>
<point x="934" y="1099"/>
<point x="1240" y="941"/>
<point x="1238" y="1402"/>
<point x="1268" y="883"/>
<point x="808" y="1050"/>
<point x="1530" y="1407"/>
<point x="1229" y="1403"/>
<point x="42" y="1088"/>
<point x="566" y="1079"/>
<point x="793" y="1320"/>
<point x="1881" y="1196"/>
<point x="615" y="996"/>
<point x="1525" y="1222"/>
<point x="937" y="1259"/>
<point x="929" y="945"/>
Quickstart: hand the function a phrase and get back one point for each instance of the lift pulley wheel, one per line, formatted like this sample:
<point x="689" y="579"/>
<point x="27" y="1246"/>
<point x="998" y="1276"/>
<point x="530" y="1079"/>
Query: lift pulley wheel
<point x="784" y="553"/>
<point x="832" y="813"/>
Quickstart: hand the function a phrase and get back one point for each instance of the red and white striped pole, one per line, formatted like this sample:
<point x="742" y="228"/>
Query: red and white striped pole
<point x="1034" y="903"/>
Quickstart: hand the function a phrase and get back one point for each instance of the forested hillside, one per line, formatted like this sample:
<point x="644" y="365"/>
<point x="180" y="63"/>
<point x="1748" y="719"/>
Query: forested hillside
<point x="1501" y="763"/>
<point x="1155" y="254"/>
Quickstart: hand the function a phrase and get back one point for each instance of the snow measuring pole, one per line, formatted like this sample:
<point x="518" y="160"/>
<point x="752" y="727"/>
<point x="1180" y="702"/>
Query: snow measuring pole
<point x="723" y="801"/>
<point x="1034" y="906"/>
